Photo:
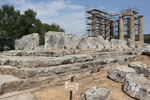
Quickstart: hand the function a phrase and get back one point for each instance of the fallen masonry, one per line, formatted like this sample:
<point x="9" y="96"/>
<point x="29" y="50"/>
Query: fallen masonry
<point x="139" y="67"/>
<point x="95" y="93"/>
<point x="119" y="72"/>
<point x="137" y="86"/>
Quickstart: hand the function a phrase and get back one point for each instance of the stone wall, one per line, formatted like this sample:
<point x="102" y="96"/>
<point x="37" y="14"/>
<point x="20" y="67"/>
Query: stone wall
<point x="62" y="41"/>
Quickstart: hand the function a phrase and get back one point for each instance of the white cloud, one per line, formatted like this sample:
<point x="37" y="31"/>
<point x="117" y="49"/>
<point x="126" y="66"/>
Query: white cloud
<point x="68" y="16"/>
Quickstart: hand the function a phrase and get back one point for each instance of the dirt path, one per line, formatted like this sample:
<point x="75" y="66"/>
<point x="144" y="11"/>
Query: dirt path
<point x="97" y="79"/>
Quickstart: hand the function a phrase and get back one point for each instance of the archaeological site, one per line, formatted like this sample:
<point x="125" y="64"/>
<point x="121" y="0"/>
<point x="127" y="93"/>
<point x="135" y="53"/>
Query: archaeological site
<point x="110" y="62"/>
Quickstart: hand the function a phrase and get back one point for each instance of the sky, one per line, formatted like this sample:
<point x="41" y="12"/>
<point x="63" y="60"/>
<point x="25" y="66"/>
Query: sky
<point x="70" y="14"/>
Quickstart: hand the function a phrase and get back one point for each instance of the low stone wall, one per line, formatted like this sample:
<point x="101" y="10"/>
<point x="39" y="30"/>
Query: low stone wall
<point x="62" y="41"/>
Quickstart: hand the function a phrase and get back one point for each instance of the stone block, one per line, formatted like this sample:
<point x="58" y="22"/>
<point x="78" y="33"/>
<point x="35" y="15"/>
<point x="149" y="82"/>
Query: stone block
<point x="137" y="86"/>
<point x="118" y="73"/>
<point x="139" y="67"/>
<point x="27" y="42"/>
<point x="131" y="43"/>
<point x="54" y="40"/>
<point x="95" y="93"/>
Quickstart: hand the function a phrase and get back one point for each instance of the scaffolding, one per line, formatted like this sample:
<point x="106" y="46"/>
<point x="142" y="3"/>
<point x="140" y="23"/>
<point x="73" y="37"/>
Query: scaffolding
<point x="103" y="23"/>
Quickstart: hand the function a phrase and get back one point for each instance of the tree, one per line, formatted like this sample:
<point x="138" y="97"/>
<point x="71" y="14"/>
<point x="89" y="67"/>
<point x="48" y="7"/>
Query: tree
<point x="14" y="25"/>
<point x="8" y="26"/>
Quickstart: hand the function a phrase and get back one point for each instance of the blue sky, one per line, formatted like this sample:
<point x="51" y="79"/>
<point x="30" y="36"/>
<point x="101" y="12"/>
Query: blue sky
<point x="70" y="14"/>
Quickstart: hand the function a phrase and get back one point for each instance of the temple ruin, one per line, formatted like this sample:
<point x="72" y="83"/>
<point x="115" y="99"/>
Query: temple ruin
<point x="111" y="25"/>
<point x="111" y="41"/>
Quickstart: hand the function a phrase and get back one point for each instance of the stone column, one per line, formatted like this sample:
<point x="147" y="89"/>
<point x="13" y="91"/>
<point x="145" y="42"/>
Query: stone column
<point x="111" y="29"/>
<point x="132" y="28"/>
<point x="140" y="29"/>
<point x="128" y="27"/>
<point x="121" y="28"/>
<point x="107" y="33"/>
<point x="100" y="27"/>
<point x="93" y="26"/>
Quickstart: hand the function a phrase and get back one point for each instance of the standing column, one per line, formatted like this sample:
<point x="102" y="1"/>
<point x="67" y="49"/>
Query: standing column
<point x="140" y="29"/>
<point x="121" y="28"/>
<point x="132" y="28"/>
<point x="111" y="29"/>
<point x="100" y="27"/>
<point x="107" y="35"/>
<point x="128" y="28"/>
<point x="93" y="26"/>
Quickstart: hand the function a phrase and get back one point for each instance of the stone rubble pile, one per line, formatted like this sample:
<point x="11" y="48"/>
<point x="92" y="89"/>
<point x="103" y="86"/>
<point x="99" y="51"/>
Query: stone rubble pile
<point x="135" y="84"/>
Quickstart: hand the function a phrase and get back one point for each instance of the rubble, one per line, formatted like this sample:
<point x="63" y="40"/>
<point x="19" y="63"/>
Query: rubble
<point x="95" y="93"/>
<point x="118" y="73"/>
<point x="137" y="86"/>
<point x="139" y="67"/>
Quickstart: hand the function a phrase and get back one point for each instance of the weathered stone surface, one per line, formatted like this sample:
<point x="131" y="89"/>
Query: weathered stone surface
<point x="118" y="44"/>
<point x="146" y="50"/>
<point x="22" y="96"/>
<point x="54" y="40"/>
<point x="137" y="86"/>
<point x="93" y="43"/>
<point x="83" y="62"/>
<point x="47" y="53"/>
<point x="118" y="73"/>
<point x="32" y="62"/>
<point x="137" y="44"/>
<point x="28" y="42"/>
<point x="8" y="83"/>
<point x="139" y="67"/>
<point x="95" y="93"/>
<point x="106" y="44"/>
<point x="131" y="43"/>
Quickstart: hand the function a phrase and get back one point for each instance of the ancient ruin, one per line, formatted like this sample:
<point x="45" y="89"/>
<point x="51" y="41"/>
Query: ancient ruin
<point x="112" y="25"/>
<point x="64" y="55"/>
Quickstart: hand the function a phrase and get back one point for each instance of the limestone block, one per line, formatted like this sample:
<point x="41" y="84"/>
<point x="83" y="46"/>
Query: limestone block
<point x="146" y="50"/>
<point x="83" y="42"/>
<point x="114" y="43"/>
<point x="22" y="96"/>
<point x="71" y="41"/>
<point x="137" y="44"/>
<point x="27" y="42"/>
<point x="8" y="83"/>
<point x="118" y="44"/>
<point x="131" y="43"/>
<point x="139" y="67"/>
<point x="118" y="73"/>
<point x="137" y="86"/>
<point x="95" y="93"/>
<point x="93" y="43"/>
<point x="107" y="44"/>
<point x="101" y="42"/>
<point x="55" y="40"/>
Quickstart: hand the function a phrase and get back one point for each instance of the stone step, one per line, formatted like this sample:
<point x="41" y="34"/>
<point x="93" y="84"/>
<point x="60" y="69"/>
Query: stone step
<point x="9" y="83"/>
<point x="31" y="62"/>
<point x="34" y="61"/>
<point x="46" y="71"/>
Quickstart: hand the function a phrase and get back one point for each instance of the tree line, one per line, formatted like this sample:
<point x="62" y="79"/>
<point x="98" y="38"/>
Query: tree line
<point x="14" y="25"/>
